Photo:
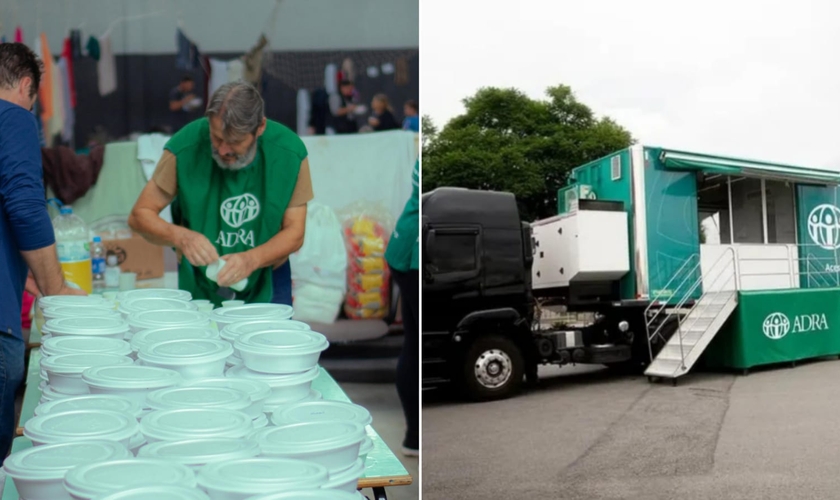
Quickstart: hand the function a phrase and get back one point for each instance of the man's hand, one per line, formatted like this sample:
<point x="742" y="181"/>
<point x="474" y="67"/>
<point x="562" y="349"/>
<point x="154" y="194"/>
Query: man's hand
<point x="196" y="248"/>
<point x="238" y="267"/>
<point x="32" y="287"/>
<point x="66" y="290"/>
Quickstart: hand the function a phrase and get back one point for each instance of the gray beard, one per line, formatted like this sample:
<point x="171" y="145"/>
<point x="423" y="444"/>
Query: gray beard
<point x="241" y="162"/>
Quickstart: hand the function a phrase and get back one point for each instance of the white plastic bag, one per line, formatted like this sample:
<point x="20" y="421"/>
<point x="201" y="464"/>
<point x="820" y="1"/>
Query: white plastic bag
<point x="319" y="266"/>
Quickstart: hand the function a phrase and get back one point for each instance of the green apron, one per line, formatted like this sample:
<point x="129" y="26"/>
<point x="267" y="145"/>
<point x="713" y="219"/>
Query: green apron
<point x="235" y="210"/>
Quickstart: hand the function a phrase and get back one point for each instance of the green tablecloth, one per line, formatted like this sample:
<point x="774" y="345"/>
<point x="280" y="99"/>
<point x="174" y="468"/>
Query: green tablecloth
<point x="382" y="467"/>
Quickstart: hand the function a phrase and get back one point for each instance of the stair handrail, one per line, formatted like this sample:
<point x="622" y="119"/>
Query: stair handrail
<point x="733" y="260"/>
<point x="663" y="306"/>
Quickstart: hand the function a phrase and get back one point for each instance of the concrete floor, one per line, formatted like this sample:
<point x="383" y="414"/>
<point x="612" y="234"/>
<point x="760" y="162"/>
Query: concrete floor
<point x="589" y="434"/>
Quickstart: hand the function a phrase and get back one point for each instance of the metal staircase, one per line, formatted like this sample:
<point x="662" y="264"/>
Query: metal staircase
<point x="697" y="322"/>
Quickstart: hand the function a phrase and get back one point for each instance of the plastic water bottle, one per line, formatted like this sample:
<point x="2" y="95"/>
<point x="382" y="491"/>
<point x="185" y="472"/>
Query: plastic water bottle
<point x="112" y="272"/>
<point x="97" y="263"/>
<point x="73" y="242"/>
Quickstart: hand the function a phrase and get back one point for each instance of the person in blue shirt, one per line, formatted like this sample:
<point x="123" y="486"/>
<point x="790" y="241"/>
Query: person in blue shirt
<point x="26" y="233"/>
<point x="412" y="116"/>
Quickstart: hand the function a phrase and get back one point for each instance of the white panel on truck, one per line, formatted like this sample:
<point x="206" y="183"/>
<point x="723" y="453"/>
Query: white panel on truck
<point x="583" y="246"/>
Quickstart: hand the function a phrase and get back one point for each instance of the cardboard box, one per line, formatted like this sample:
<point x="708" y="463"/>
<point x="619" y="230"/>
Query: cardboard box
<point x="136" y="255"/>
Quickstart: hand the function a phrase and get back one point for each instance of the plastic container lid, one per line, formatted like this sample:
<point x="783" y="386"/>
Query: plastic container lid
<point x="321" y="411"/>
<point x="285" y="342"/>
<point x="159" y="492"/>
<point x="234" y="330"/>
<point x="186" y="351"/>
<point x="73" y="301"/>
<point x="148" y="320"/>
<point x="87" y="326"/>
<point x="146" y="337"/>
<point x="311" y="437"/>
<point x="367" y="446"/>
<point x="72" y="311"/>
<point x="133" y="305"/>
<point x="277" y="407"/>
<point x="247" y="312"/>
<point x="261" y="422"/>
<point x="322" y="494"/>
<point x="255" y="475"/>
<point x="197" y="452"/>
<point x="195" y="423"/>
<point x="108" y="402"/>
<point x="198" y="397"/>
<point x="272" y="379"/>
<point x="81" y="425"/>
<point x="50" y="394"/>
<point x="254" y="388"/>
<point x="50" y="462"/>
<point x="131" y="377"/>
<point x="76" y="345"/>
<point x="70" y="364"/>
<point x="90" y="480"/>
<point x="154" y="293"/>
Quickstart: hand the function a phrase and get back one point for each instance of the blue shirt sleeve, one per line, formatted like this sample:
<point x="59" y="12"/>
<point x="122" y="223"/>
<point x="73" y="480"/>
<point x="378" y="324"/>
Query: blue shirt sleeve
<point x="21" y="180"/>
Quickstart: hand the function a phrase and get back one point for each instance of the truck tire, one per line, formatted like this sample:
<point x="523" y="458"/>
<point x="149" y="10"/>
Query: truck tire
<point x="493" y="369"/>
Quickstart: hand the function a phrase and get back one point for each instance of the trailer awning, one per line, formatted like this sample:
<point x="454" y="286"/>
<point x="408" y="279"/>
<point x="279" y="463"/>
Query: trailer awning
<point x="681" y="160"/>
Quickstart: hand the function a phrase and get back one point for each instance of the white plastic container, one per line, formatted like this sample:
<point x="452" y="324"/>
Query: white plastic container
<point x="347" y="480"/>
<point x="132" y="382"/>
<point x="234" y="330"/>
<point x="174" y="398"/>
<point x="261" y="422"/>
<point x="311" y="495"/>
<point x="366" y="448"/>
<point x="335" y="445"/>
<point x="161" y="492"/>
<point x="77" y="301"/>
<point x="195" y="423"/>
<point x="137" y="442"/>
<point x="284" y="388"/>
<point x="225" y="316"/>
<point x="81" y="425"/>
<point x="50" y="394"/>
<point x="85" y="326"/>
<point x="147" y="337"/>
<point x="322" y="411"/>
<point x="79" y="345"/>
<point x="258" y="391"/>
<point x="103" y="311"/>
<point x="64" y="371"/>
<point x="89" y="481"/>
<point x="190" y="357"/>
<point x="240" y="479"/>
<point x="91" y="402"/>
<point x="135" y="305"/>
<point x="196" y="453"/>
<point x="150" y="320"/>
<point x="39" y="472"/>
<point x="281" y="351"/>
<point x="154" y="293"/>
<point x="313" y="395"/>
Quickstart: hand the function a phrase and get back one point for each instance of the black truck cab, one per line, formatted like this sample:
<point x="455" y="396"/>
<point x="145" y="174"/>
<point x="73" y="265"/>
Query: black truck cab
<point x="477" y="301"/>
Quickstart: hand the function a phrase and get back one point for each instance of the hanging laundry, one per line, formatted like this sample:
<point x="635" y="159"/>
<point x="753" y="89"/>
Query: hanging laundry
<point x="331" y="79"/>
<point x="76" y="43"/>
<point x="55" y="124"/>
<point x="93" y="48"/>
<point x="45" y="91"/>
<point x="18" y="35"/>
<point x="69" y="121"/>
<point x="67" y="55"/>
<point x="401" y="74"/>
<point x="188" y="56"/>
<point x="235" y="70"/>
<point x="106" y="66"/>
<point x="303" y="108"/>
<point x="253" y="62"/>
<point x="218" y="75"/>
<point x="347" y="69"/>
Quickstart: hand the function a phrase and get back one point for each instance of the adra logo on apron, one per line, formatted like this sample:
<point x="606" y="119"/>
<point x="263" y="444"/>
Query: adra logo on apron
<point x="237" y="211"/>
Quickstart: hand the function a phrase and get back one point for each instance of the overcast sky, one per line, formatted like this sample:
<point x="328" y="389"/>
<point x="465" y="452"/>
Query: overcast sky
<point x="748" y="78"/>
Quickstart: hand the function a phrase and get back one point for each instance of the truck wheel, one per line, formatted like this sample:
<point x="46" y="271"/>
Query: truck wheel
<point x="493" y="369"/>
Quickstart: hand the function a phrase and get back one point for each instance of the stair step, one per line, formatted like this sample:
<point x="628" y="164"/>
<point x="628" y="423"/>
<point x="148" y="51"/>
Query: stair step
<point x="664" y="368"/>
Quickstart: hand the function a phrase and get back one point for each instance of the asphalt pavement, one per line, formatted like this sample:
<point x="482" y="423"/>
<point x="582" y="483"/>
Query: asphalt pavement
<point x="587" y="433"/>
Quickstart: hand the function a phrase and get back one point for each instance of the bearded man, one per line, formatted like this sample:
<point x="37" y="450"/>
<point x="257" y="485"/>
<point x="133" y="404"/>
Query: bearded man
<point x="238" y="184"/>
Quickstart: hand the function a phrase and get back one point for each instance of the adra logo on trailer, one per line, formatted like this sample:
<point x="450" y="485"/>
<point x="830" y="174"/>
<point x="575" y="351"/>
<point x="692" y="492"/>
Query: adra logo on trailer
<point x="824" y="226"/>
<point x="776" y="325"/>
<point x="237" y="211"/>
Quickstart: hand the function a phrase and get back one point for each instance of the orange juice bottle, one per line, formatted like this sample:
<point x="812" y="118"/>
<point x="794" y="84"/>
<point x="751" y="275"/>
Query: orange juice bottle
<point x="73" y="242"/>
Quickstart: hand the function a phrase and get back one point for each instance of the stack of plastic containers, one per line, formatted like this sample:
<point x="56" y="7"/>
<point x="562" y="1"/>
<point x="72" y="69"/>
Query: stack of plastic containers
<point x="143" y="397"/>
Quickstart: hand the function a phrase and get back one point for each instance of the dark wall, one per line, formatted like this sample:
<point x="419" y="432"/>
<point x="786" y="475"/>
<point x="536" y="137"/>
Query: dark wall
<point x="144" y="82"/>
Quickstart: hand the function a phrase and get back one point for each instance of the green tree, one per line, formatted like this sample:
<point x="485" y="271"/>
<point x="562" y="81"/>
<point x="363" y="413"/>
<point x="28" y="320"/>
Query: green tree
<point x="507" y="141"/>
<point x="428" y="131"/>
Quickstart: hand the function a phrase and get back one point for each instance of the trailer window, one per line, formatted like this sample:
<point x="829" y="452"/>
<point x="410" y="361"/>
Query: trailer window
<point x="454" y="253"/>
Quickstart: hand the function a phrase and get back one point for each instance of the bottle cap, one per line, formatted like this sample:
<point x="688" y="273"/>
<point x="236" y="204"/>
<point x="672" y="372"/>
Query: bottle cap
<point x="97" y="239"/>
<point x="112" y="260"/>
<point x="66" y="210"/>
